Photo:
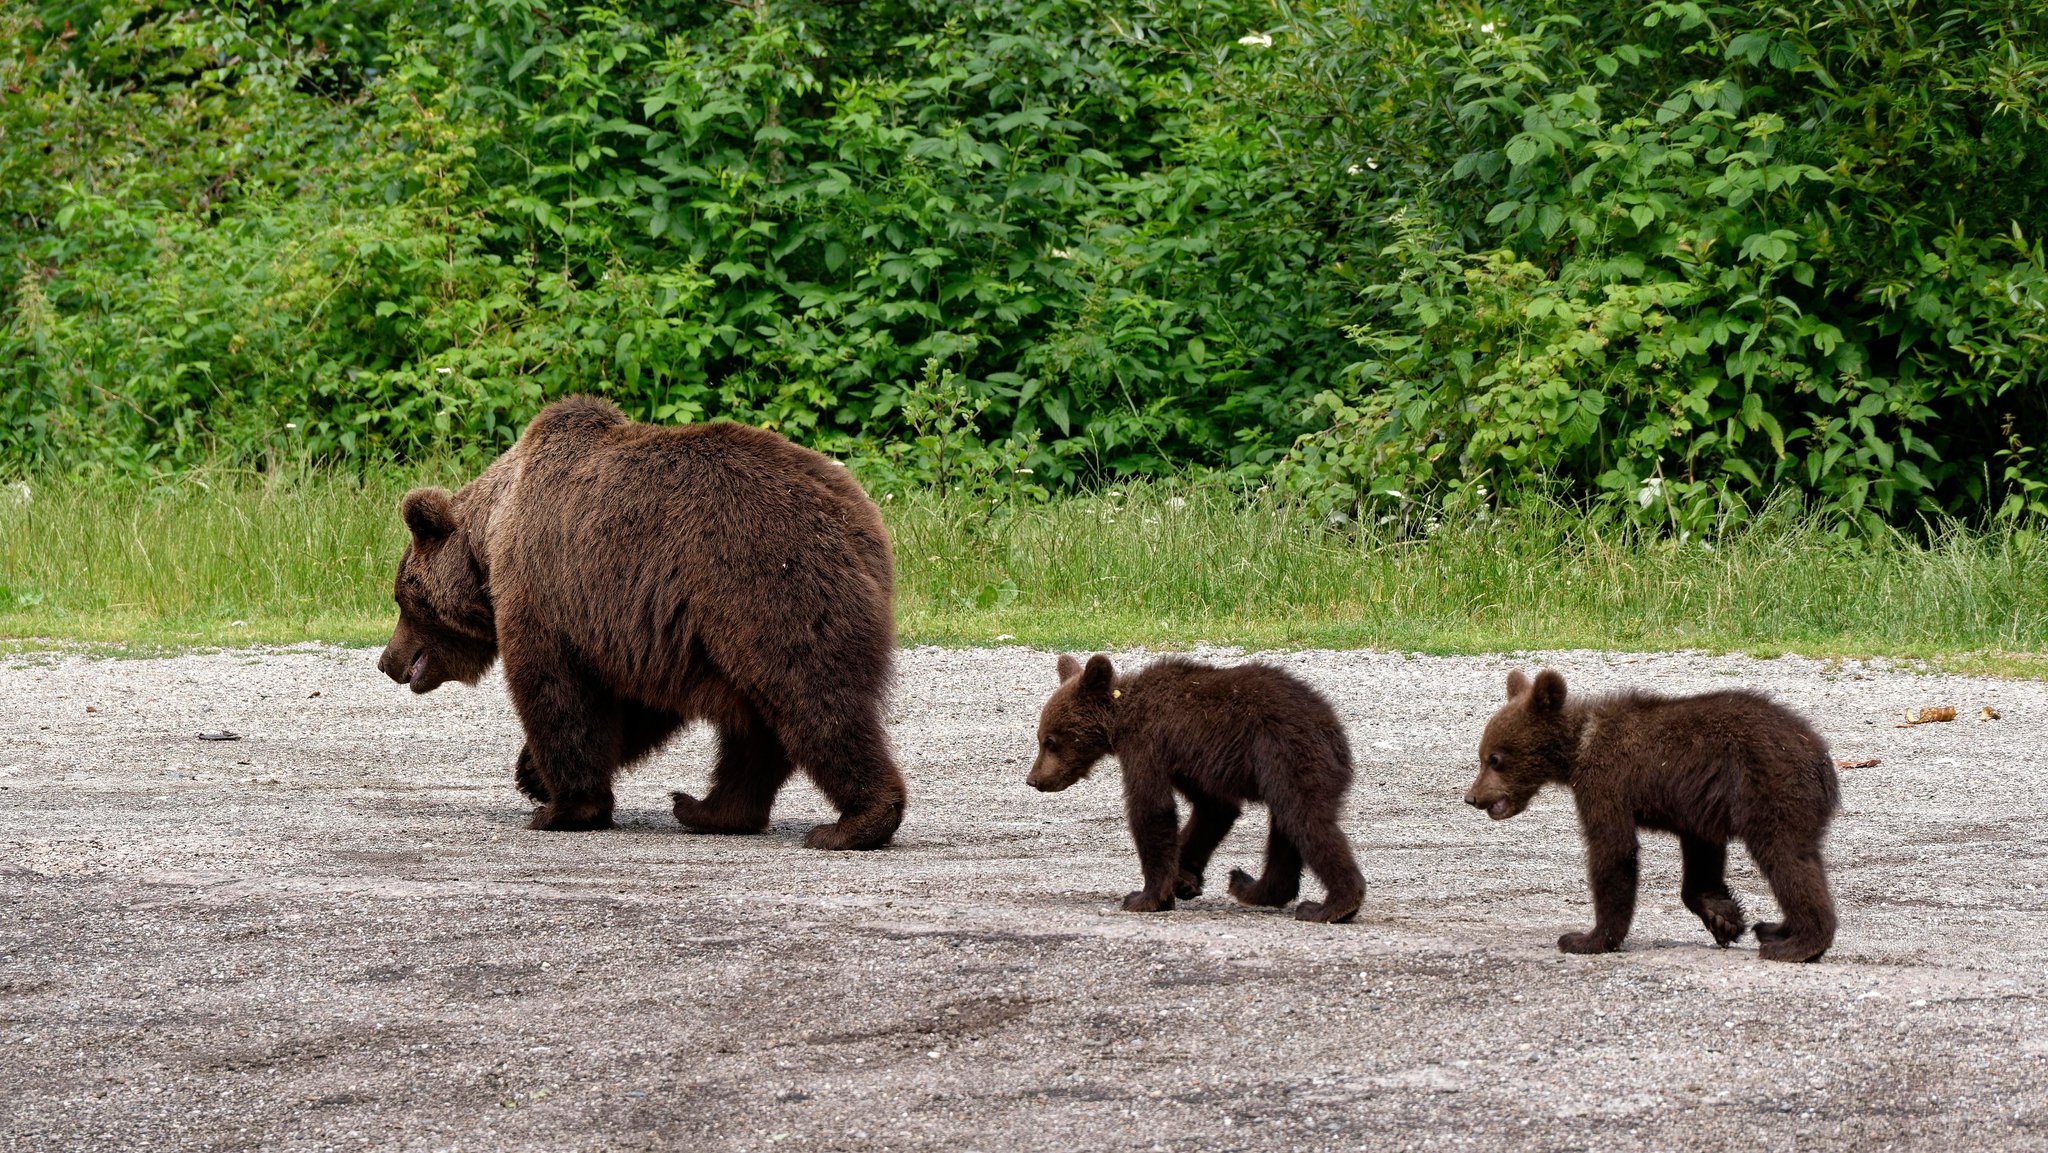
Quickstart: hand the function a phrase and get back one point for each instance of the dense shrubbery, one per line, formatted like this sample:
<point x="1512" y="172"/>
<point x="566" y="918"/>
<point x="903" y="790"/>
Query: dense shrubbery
<point x="1679" y="255"/>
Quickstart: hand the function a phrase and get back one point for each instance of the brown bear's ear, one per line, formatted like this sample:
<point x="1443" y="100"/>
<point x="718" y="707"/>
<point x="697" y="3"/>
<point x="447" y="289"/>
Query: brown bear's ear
<point x="1548" y="694"/>
<point x="1099" y="674"/>
<point x="1518" y="683"/>
<point x="429" y="514"/>
<point x="1068" y="667"/>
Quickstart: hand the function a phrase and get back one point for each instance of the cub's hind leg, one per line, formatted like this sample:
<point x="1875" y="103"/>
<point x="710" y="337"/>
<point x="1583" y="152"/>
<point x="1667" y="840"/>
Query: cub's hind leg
<point x="1705" y="889"/>
<point x="1209" y="821"/>
<point x="1281" y="881"/>
<point x="1799" y="881"/>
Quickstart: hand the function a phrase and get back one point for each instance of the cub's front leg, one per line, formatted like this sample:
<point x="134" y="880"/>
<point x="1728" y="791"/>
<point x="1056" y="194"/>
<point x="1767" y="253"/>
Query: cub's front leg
<point x="1155" y="832"/>
<point x="1611" y="853"/>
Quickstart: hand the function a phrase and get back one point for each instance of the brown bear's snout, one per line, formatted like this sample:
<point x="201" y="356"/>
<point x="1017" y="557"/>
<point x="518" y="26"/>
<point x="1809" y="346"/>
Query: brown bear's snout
<point x="1490" y="796"/>
<point x="1048" y="776"/>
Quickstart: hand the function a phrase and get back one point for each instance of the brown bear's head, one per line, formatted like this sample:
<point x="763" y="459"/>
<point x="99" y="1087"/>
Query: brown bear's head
<point x="446" y="628"/>
<point x="1074" y="727"/>
<point x="1527" y="744"/>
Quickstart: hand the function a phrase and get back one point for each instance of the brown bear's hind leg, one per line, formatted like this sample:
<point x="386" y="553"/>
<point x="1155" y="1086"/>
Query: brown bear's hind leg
<point x="851" y="765"/>
<point x="1705" y="889"/>
<point x="1327" y="852"/>
<point x="1281" y="881"/>
<point x="1208" y="823"/>
<point x="751" y="769"/>
<point x="1800" y="883"/>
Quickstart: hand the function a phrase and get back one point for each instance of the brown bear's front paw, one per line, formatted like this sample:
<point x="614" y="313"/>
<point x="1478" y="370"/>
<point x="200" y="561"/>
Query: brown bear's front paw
<point x="1144" y="902"/>
<point x="836" y="836"/>
<point x="1325" y="912"/>
<point x="1585" y="943"/>
<point x="1257" y="892"/>
<point x="526" y="775"/>
<point x="555" y="818"/>
<point x="1768" y="931"/>
<point x="1723" y="918"/>
<point x="1188" y="885"/>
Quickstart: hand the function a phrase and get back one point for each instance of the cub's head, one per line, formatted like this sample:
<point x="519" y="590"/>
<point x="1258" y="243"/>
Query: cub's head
<point x="1074" y="726"/>
<point x="446" y="628"/>
<point x="1527" y="744"/>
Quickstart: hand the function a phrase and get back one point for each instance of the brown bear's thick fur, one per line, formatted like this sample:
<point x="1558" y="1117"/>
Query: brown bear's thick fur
<point x="1709" y="768"/>
<point x="1218" y="736"/>
<point x="636" y="578"/>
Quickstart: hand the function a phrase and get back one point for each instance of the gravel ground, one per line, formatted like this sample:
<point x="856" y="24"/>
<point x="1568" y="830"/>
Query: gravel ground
<point x="336" y="933"/>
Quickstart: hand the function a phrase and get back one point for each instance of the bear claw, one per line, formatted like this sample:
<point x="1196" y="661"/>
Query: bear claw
<point x="1324" y="912"/>
<point x="1723" y="918"/>
<point x="1144" y="902"/>
<point x="1584" y="943"/>
<point x="551" y="818"/>
<point x="1188" y="886"/>
<point x="1255" y="892"/>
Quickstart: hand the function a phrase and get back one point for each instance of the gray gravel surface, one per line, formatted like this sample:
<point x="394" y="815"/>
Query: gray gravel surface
<point x="336" y="933"/>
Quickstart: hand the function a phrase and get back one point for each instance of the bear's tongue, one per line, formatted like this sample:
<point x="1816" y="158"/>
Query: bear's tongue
<point x="419" y="665"/>
<point x="1498" y="810"/>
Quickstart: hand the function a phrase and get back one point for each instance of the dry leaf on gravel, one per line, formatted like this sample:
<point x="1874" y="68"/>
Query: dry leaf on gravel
<point x="1929" y="716"/>
<point x="1989" y="714"/>
<point x="1869" y="764"/>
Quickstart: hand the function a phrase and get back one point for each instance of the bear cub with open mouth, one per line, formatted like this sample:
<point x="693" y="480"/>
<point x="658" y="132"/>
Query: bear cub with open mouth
<point x="1219" y="737"/>
<point x="1709" y="768"/>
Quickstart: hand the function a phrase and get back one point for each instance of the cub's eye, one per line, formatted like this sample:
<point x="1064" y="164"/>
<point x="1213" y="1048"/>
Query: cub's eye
<point x="1052" y="742"/>
<point x="1493" y="760"/>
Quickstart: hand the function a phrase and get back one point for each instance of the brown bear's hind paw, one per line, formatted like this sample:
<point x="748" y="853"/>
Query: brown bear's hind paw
<point x="555" y="818"/>
<point x="1723" y="918"/>
<point x="1585" y="943"/>
<point x="1325" y="912"/>
<point x="1257" y="892"/>
<point x="527" y="776"/>
<point x="1188" y="886"/>
<point x="1768" y="931"/>
<point x="1144" y="902"/>
<point x="1783" y="946"/>
<point x="699" y="817"/>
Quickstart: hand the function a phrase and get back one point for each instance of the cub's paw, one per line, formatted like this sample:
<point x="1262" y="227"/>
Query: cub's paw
<point x="1188" y="885"/>
<point x="1769" y="931"/>
<point x="1144" y="902"/>
<point x="1256" y="892"/>
<point x="1723" y="918"/>
<point x="1325" y="912"/>
<point x="556" y="818"/>
<point x="1584" y="943"/>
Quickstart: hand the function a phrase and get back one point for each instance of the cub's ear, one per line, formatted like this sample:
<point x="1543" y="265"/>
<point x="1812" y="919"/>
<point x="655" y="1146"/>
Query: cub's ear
<point x="1548" y="694"/>
<point x="1518" y="683"/>
<point x="1068" y="667"/>
<point x="1097" y="677"/>
<point x="429" y="514"/>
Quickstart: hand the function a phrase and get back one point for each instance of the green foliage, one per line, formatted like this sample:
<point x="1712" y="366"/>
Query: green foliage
<point x="1695" y="255"/>
<point x="1678" y="257"/>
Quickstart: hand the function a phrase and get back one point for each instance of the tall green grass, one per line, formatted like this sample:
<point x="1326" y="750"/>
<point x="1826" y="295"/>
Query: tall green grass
<point x="221" y="558"/>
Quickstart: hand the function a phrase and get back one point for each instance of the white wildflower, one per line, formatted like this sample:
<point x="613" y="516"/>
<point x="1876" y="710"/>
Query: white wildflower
<point x="444" y="370"/>
<point x="288" y="424"/>
<point x="1005" y="637"/>
<point x="1372" y="163"/>
<point x="1061" y="253"/>
<point x="1176" y="502"/>
<point x="1256" y="40"/>
<point x="23" y="494"/>
<point x="1651" y="490"/>
<point x="1353" y="170"/>
<point x="1022" y="471"/>
<point x="1487" y="27"/>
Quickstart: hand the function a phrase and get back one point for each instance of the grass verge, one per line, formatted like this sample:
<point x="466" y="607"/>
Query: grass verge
<point x="218" y="559"/>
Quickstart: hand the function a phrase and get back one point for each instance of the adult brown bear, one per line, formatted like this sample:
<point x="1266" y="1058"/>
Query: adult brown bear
<point x="635" y="578"/>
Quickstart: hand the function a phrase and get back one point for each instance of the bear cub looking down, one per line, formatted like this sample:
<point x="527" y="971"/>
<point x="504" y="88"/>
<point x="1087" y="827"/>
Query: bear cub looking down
<point x="1709" y="768"/>
<point x="1219" y="737"/>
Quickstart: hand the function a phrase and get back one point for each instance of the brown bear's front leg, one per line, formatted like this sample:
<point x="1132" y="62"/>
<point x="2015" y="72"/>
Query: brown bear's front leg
<point x="1149" y="806"/>
<point x="1611" y="851"/>
<point x="572" y="736"/>
<point x="1208" y="823"/>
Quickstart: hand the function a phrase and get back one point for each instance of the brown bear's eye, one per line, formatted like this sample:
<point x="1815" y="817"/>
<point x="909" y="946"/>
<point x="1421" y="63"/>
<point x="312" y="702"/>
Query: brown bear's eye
<point x="1493" y="759"/>
<point x="1052" y="742"/>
